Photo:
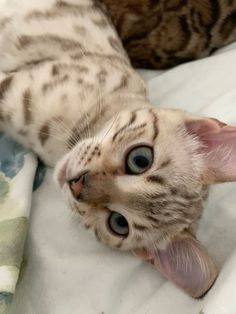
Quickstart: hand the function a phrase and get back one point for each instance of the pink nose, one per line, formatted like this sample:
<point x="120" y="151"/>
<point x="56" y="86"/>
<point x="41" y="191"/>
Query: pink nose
<point x="76" y="184"/>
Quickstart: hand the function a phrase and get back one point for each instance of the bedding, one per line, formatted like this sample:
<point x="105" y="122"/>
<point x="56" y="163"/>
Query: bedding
<point x="20" y="173"/>
<point x="65" y="269"/>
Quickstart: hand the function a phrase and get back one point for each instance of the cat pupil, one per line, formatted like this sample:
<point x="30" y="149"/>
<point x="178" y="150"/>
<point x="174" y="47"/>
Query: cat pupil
<point x="121" y="222"/>
<point x="141" y="161"/>
<point x="118" y="224"/>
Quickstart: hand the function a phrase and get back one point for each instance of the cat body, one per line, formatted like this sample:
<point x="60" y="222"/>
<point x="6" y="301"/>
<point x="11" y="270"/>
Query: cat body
<point x="59" y="68"/>
<point x="164" y="33"/>
<point x="137" y="175"/>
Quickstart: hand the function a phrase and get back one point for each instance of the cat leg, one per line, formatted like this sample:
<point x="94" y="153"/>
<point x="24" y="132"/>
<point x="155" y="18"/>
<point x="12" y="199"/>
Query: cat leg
<point x="15" y="111"/>
<point x="28" y="116"/>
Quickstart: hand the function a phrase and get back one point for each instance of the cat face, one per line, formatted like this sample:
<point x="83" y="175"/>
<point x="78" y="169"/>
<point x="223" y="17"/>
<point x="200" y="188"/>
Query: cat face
<point x="138" y="182"/>
<point x="141" y="183"/>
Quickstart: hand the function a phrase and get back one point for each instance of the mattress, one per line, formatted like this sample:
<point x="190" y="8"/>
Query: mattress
<point x="66" y="271"/>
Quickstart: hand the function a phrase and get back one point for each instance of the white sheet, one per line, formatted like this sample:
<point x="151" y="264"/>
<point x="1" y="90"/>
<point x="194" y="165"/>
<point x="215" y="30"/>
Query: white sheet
<point x="68" y="272"/>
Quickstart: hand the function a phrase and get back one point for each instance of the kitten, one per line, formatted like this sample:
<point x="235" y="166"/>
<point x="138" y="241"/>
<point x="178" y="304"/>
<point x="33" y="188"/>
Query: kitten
<point x="164" y="33"/>
<point x="137" y="175"/>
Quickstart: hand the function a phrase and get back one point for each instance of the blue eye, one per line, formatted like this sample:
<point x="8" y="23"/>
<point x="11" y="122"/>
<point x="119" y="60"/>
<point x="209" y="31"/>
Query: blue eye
<point x="139" y="160"/>
<point x="118" y="224"/>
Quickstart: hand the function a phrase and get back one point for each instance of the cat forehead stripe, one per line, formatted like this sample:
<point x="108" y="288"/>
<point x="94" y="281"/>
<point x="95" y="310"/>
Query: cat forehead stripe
<point x="124" y="127"/>
<point x="127" y="128"/>
<point x="154" y="124"/>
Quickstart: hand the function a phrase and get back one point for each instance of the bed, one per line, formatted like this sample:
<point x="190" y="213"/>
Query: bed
<point x="65" y="269"/>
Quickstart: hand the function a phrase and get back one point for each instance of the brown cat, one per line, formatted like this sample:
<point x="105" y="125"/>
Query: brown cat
<point x="163" y="33"/>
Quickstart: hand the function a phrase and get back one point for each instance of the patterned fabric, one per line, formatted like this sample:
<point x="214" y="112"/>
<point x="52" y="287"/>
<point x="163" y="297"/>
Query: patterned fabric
<point x="17" y="173"/>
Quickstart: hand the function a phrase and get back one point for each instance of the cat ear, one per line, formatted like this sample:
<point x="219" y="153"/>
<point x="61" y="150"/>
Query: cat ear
<point x="218" y="147"/>
<point x="186" y="263"/>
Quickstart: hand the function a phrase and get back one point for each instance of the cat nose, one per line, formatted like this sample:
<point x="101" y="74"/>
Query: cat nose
<point x="76" y="184"/>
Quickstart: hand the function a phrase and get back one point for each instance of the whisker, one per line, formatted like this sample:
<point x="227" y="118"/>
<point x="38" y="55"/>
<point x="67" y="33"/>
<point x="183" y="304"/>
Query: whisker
<point x="111" y="126"/>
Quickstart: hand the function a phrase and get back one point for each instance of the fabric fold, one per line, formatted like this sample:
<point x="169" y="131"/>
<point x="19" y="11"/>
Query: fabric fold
<point x="17" y="173"/>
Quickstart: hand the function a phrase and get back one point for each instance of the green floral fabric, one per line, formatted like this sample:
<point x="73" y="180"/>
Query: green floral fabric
<point x="18" y="167"/>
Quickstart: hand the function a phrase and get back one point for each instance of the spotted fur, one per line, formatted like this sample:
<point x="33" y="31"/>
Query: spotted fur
<point x="161" y="34"/>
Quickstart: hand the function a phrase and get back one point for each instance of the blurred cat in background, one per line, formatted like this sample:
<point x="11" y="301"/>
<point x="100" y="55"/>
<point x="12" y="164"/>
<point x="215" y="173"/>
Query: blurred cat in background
<point x="163" y="33"/>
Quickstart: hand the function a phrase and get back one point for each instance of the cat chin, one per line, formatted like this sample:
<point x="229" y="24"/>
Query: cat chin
<point x="59" y="175"/>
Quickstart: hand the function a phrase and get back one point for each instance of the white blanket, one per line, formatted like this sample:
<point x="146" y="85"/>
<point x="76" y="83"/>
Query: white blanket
<point x="69" y="272"/>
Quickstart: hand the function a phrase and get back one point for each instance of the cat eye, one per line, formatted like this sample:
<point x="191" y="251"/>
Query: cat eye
<point x="118" y="224"/>
<point x="139" y="160"/>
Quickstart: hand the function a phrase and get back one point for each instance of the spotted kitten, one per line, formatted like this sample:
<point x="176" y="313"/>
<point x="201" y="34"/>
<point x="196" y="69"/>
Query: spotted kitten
<point x="137" y="175"/>
<point x="163" y="33"/>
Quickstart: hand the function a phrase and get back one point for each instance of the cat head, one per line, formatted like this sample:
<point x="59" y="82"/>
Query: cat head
<point x="140" y="185"/>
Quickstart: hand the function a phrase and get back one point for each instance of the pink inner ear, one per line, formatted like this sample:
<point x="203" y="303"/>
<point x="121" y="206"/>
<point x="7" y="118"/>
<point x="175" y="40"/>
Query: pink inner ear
<point x="186" y="263"/>
<point x="219" y="148"/>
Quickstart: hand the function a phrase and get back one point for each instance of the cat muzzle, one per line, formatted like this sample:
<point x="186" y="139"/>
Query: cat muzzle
<point x="76" y="184"/>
